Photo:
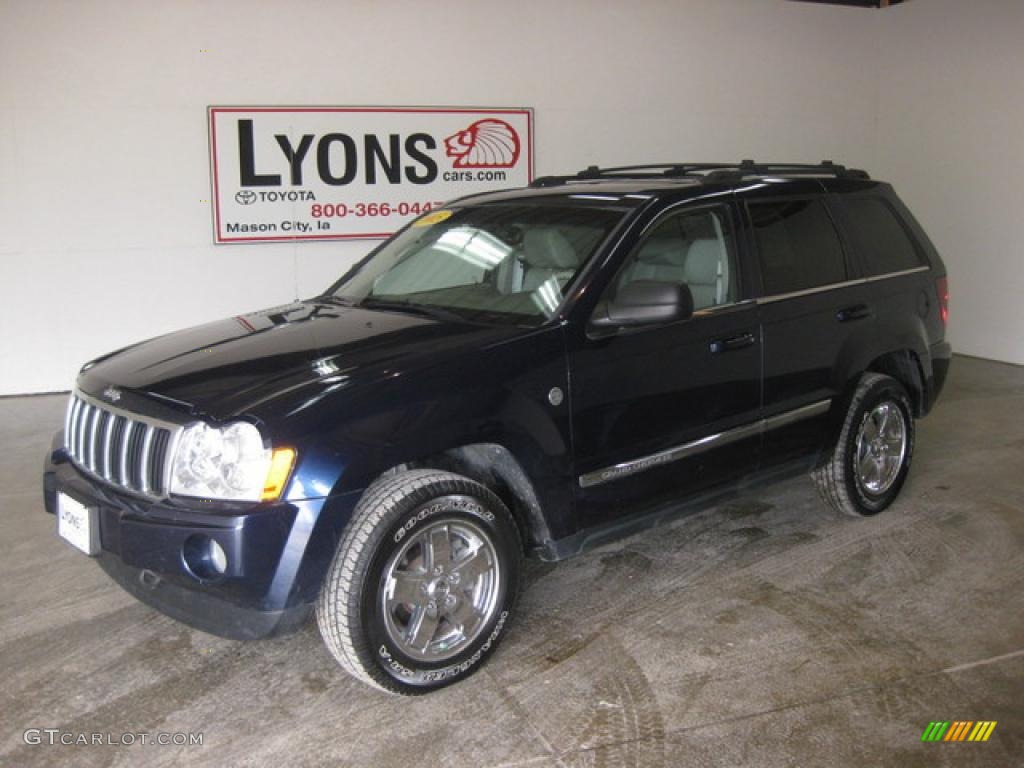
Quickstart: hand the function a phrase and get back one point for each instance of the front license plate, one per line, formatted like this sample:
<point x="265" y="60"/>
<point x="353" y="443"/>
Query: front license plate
<point x="77" y="524"/>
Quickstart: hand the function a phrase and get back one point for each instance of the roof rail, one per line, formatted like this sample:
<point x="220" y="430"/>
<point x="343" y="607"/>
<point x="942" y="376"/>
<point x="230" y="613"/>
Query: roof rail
<point x="707" y="171"/>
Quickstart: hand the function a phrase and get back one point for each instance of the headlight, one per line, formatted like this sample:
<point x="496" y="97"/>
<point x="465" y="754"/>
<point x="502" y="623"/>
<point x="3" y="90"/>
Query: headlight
<point x="229" y="463"/>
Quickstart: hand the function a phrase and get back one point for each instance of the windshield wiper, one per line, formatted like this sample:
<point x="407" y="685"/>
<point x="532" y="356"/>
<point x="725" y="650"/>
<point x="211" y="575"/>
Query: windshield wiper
<point x="333" y="298"/>
<point x="424" y="310"/>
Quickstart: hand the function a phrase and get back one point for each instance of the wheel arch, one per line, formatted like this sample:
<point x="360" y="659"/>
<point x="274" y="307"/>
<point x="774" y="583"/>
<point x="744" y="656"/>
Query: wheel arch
<point x="496" y="467"/>
<point x="904" y="365"/>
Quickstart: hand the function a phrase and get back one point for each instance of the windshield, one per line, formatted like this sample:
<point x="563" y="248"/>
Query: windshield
<point x="488" y="263"/>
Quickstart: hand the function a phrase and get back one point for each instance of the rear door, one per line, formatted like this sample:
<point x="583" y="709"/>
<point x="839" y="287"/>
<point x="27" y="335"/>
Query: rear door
<point x="814" y="313"/>
<point x="895" y="267"/>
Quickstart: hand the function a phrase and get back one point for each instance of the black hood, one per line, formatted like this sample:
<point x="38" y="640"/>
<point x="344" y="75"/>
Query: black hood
<point x="225" y="368"/>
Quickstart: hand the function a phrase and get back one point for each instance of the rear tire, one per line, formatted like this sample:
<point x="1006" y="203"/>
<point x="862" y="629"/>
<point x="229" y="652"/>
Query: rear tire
<point x="423" y="582"/>
<point x="869" y="462"/>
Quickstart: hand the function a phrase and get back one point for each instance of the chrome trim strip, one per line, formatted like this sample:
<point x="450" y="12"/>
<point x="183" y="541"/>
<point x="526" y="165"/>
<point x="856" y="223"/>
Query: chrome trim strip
<point x="87" y="426"/>
<point x="90" y="438"/>
<point x="75" y="429"/>
<point x="69" y="435"/>
<point x="97" y="445"/>
<point x="108" y="433"/>
<point x="83" y="423"/>
<point x="809" y="291"/>
<point x="797" y="414"/>
<point x="715" y="308"/>
<point x="129" y="425"/>
<point x="68" y="419"/>
<point x="144" y="458"/>
<point x="833" y="286"/>
<point x="94" y="441"/>
<point x="716" y="440"/>
<point x="169" y="425"/>
<point x="901" y="273"/>
<point x="172" y="447"/>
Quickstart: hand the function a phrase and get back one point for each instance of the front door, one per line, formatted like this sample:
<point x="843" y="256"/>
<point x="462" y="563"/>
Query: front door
<point x="661" y="411"/>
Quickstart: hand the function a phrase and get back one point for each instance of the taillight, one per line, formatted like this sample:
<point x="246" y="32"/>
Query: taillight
<point x="942" y="290"/>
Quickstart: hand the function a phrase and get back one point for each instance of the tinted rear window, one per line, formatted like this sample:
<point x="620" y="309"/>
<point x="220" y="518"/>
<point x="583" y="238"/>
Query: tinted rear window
<point x="797" y="245"/>
<point x="881" y="240"/>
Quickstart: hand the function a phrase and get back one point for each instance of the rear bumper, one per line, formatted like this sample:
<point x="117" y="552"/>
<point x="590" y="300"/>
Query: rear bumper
<point x="277" y="554"/>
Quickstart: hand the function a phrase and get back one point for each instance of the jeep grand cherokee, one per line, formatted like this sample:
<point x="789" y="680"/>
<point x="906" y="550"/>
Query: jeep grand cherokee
<point x="525" y="372"/>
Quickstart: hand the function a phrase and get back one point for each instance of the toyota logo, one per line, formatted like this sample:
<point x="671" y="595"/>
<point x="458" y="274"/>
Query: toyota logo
<point x="245" y="197"/>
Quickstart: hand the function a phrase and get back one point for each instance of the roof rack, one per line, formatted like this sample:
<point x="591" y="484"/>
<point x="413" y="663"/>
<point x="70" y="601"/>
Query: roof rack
<point x="706" y="171"/>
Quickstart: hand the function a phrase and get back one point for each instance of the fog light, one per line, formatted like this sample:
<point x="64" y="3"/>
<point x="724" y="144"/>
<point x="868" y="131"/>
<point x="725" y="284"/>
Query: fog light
<point x="204" y="557"/>
<point x="218" y="557"/>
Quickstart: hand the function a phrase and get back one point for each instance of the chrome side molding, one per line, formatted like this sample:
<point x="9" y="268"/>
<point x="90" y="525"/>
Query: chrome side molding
<point x="834" y="286"/>
<point x="716" y="440"/>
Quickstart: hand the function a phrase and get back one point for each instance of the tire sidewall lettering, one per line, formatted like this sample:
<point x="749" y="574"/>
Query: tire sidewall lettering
<point x="433" y="676"/>
<point x="446" y="504"/>
<point x="393" y="663"/>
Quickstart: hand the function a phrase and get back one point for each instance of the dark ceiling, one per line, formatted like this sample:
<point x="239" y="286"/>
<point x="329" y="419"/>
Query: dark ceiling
<point x="859" y="3"/>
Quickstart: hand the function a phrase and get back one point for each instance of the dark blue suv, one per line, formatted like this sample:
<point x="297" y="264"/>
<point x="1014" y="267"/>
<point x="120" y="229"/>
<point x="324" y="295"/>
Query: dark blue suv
<point x="526" y="372"/>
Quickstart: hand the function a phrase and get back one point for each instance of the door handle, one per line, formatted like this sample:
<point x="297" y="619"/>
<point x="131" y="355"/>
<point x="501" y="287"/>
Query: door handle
<point x="856" y="312"/>
<point x="732" y="343"/>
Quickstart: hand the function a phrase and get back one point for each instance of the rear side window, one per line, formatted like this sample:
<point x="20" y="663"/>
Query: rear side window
<point x="881" y="240"/>
<point x="797" y="245"/>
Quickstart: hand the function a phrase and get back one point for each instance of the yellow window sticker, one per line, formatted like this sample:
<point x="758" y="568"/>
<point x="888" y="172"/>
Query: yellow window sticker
<point x="432" y="218"/>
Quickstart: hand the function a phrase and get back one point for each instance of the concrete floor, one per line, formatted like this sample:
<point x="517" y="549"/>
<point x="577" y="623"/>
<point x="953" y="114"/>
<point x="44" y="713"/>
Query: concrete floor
<point x="764" y="632"/>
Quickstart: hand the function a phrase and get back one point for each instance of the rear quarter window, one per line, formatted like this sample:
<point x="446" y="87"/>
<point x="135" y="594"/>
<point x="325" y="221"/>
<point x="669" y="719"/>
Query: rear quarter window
<point x="797" y="245"/>
<point x="881" y="240"/>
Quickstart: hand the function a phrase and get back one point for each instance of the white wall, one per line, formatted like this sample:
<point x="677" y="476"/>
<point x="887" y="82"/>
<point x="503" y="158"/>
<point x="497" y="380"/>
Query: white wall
<point x="951" y="138"/>
<point x="105" y="233"/>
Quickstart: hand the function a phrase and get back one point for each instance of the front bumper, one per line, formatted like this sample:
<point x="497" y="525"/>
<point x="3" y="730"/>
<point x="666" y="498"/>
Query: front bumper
<point x="277" y="554"/>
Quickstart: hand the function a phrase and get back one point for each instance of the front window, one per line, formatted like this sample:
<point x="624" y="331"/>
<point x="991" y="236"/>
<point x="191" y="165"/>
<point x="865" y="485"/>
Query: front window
<point x="488" y="263"/>
<point x="695" y="248"/>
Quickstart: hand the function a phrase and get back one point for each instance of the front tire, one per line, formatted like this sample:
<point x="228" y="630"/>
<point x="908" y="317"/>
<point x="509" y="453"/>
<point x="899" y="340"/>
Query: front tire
<point x="423" y="582"/>
<point x="869" y="463"/>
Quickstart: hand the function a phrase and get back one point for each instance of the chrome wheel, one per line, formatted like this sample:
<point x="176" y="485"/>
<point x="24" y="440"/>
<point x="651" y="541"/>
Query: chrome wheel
<point x="440" y="589"/>
<point x="881" y="447"/>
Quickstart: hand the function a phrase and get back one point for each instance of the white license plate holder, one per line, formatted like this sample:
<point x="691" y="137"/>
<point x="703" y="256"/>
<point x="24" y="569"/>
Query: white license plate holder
<point x="78" y="524"/>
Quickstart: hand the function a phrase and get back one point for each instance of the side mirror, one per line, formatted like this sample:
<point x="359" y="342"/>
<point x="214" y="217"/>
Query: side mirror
<point x="645" y="302"/>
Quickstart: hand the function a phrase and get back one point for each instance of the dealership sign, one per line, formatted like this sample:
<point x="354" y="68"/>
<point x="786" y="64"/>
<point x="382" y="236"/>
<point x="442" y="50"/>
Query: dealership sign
<point x="323" y="173"/>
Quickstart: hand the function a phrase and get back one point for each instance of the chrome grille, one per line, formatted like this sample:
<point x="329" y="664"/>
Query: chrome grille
<point x="128" y="450"/>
